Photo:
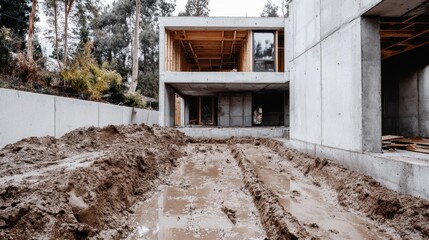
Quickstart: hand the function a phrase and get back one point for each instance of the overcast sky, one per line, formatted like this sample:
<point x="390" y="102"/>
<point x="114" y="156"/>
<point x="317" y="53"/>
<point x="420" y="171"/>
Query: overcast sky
<point x="222" y="8"/>
<point x="218" y="8"/>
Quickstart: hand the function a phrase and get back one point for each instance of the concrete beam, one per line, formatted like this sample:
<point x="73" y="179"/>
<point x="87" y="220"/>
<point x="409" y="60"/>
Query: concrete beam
<point x="206" y="23"/>
<point x="224" y="77"/>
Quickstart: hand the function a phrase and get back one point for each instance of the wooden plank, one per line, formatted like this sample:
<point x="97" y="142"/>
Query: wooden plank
<point x="396" y="145"/>
<point x="390" y="137"/>
<point x="414" y="148"/>
<point x="417" y="141"/>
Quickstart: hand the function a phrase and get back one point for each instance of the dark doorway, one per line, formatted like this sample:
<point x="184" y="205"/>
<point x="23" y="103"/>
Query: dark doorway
<point x="268" y="109"/>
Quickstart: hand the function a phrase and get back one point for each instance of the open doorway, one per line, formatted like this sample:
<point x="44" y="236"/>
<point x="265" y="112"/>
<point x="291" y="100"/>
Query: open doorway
<point x="203" y="110"/>
<point x="268" y="109"/>
<point x="405" y="82"/>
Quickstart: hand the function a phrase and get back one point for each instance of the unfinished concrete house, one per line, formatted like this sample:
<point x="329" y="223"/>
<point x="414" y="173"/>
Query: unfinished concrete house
<point x="223" y="72"/>
<point x="343" y="81"/>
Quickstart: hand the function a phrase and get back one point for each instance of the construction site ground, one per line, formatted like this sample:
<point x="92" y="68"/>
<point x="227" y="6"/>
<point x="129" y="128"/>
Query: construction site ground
<point x="138" y="182"/>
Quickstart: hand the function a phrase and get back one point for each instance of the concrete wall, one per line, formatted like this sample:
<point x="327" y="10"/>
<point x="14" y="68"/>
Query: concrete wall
<point x="335" y="91"/>
<point x="235" y="110"/>
<point x="24" y="114"/>
<point x="406" y="102"/>
<point x="402" y="172"/>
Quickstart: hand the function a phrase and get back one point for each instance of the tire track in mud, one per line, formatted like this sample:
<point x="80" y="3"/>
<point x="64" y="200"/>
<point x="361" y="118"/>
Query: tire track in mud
<point x="277" y="222"/>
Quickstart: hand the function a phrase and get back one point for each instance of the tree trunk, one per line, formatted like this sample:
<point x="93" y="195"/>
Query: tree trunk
<point x="57" y="48"/>
<point x="67" y="7"/>
<point x="135" y="67"/>
<point x="31" y="31"/>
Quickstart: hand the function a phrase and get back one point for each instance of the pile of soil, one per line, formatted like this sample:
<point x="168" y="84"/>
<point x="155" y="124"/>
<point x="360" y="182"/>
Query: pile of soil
<point x="277" y="222"/>
<point x="83" y="184"/>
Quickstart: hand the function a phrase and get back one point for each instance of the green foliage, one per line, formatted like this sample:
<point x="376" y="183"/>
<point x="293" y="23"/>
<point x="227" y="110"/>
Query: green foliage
<point x="270" y="10"/>
<point x="196" y="8"/>
<point x="14" y="15"/>
<point x="134" y="100"/>
<point x="85" y="75"/>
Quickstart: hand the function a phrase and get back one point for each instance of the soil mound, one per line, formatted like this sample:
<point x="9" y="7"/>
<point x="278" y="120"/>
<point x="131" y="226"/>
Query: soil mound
<point x="83" y="184"/>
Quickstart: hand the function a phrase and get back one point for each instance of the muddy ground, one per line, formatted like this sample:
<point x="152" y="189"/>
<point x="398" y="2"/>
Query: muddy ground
<point x="138" y="182"/>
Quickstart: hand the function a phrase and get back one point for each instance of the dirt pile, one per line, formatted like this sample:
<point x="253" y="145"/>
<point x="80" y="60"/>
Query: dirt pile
<point x="408" y="215"/>
<point x="278" y="223"/>
<point x="83" y="184"/>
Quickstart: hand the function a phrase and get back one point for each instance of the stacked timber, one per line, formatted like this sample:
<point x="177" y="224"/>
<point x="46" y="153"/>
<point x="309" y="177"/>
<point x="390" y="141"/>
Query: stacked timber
<point x="393" y="142"/>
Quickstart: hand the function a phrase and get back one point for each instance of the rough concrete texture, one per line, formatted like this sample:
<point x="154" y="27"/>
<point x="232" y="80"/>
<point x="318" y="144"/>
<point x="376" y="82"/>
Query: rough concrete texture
<point x="154" y="183"/>
<point x="331" y="93"/>
<point x="214" y="132"/>
<point x="18" y="119"/>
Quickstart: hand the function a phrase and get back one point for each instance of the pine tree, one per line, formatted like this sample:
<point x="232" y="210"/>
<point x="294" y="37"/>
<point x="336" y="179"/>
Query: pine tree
<point x="270" y="10"/>
<point x="196" y="8"/>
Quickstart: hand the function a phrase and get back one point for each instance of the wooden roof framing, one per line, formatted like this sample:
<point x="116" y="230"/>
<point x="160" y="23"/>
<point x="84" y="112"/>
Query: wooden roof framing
<point x="402" y="34"/>
<point x="211" y="50"/>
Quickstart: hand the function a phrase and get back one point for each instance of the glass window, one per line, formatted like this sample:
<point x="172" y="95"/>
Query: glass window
<point x="263" y="52"/>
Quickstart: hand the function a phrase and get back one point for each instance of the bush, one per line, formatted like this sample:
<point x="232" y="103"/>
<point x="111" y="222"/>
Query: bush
<point x="85" y="76"/>
<point x="134" y="100"/>
<point x="25" y="69"/>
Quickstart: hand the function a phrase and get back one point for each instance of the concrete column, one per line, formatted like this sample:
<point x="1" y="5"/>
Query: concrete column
<point x="166" y="105"/>
<point x="286" y="109"/>
<point x="186" y="109"/>
<point x="423" y="78"/>
<point x="224" y="102"/>
<point x="371" y="85"/>
<point x="247" y="110"/>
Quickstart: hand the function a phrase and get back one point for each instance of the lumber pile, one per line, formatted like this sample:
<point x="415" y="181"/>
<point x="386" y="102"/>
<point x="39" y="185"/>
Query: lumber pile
<point x="393" y="142"/>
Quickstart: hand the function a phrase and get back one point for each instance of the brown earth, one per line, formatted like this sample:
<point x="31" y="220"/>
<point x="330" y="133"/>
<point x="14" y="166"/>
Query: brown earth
<point x="138" y="182"/>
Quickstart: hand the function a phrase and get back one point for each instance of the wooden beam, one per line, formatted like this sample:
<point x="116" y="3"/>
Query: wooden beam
<point x="195" y="55"/>
<point x="390" y="53"/>
<point x="233" y="42"/>
<point x="405" y="40"/>
<point x="396" y="33"/>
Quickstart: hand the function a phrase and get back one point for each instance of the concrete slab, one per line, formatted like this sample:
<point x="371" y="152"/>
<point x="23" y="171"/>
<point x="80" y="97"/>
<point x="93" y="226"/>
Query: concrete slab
<point x="306" y="28"/>
<point x="110" y="114"/>
<point x="216" y="132"/>
<point x="223" y="77"/>
<point x="72" y="113"/>
<point x="342" y="88"/>
<point x="20" y="119"/>
<point x="306" y="97"/>
<point x="205" y="23"/>
<point x="336" y="13"/>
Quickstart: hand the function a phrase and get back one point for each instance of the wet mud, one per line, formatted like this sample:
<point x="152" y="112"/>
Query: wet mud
<point x="138" y="182"/>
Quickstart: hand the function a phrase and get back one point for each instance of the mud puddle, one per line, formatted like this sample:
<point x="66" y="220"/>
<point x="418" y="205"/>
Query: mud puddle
<point x="312" y="204"/>
<point x="204" y="198"/>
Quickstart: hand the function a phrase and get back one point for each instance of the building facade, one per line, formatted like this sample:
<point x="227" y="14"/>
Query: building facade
<point x="226" y="72"/>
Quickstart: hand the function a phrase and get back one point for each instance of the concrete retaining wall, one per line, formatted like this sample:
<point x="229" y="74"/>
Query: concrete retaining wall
<point x="401" y="172"/>
<point x="24" y="114"/>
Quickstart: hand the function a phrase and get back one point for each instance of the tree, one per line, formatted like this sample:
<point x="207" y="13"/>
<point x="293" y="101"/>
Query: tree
<point x="135" y="68"/>
<point x="52" y="9"/>
<point x="270" y="10"/>
<point x="31" y="30"/>
<point x="196" y="8"/>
